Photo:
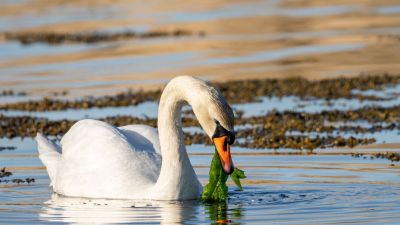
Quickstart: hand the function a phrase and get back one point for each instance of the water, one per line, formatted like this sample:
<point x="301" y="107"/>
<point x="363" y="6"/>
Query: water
<point x="280" y="189"/>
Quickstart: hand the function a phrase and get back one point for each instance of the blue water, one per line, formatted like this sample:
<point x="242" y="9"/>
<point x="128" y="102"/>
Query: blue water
<point x="281" y="189"/>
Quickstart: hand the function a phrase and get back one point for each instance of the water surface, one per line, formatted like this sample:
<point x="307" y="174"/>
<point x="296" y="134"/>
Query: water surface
<point x="280" y="189"/>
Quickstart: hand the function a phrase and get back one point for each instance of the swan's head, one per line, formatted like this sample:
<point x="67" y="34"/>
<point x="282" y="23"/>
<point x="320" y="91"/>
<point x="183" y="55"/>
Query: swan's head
<point x="222" y="140"/>
<point x="216" y="117"/>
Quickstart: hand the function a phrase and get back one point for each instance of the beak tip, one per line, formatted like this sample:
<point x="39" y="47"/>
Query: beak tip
<point x="229" y="170"/>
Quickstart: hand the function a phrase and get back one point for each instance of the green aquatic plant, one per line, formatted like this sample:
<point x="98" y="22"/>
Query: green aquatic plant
<point x="216" y="189"/>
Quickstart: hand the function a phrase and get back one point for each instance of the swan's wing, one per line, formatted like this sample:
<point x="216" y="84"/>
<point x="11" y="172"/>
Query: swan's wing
<point x="99" y="161"/>
<point x="142" y="137"/>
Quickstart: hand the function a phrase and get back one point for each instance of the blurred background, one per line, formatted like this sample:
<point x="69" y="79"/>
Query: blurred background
<point x="220" y="40"/>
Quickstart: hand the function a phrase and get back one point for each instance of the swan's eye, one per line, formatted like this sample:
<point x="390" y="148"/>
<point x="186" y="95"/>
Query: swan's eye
<point x="221" y="131"/>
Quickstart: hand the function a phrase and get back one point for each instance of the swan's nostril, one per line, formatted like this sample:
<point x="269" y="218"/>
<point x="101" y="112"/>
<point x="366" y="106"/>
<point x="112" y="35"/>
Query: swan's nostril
<point x="231" y="138"/>
<point x="226" y="144"/>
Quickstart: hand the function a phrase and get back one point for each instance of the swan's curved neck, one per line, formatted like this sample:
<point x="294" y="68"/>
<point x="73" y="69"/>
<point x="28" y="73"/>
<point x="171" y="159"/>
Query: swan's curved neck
<point x="170" y="126"/>
<point x="176" y="172"/>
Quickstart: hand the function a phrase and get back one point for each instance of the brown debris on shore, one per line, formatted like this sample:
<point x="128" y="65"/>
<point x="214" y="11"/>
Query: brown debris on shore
<point x="2" y="148"/>
<point x="256" y="140"/>
<point x="270" y="131"/>
<point x="308" y="122"/>
<point x="305" y="142"/>
<point x="5" y="173"/>
<point x="287" y="129"/>
<point x="122" y="99"/>
<point x="27" y="126"/>
<point x="250" y="90"/>
<point x="11" y="93"/>
<point x="234" y="91"/>
<point x="54" y="38"/>
<point x="392" y="156"/>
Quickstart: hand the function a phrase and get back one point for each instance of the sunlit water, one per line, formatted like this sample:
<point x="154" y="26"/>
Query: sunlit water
<point x="279" y="189"/>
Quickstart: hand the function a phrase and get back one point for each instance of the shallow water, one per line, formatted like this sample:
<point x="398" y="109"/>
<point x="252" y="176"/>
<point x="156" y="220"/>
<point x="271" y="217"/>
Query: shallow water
<point x="328" y="187"/>
<point x="279" y="189"/>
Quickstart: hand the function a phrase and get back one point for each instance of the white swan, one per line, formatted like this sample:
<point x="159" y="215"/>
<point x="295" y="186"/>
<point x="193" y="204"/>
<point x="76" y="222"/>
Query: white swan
<point x="98" y="160"/>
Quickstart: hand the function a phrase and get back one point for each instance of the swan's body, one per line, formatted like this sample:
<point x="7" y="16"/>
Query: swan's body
<point x="98" y="160"/>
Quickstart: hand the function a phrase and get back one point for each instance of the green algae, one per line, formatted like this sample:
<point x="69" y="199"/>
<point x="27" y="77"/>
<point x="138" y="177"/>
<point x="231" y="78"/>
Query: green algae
<point x="216" y="190"/>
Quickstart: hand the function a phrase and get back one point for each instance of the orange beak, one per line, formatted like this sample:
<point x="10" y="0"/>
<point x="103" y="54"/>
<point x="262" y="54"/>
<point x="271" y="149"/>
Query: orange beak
<point x="224" y="153"/>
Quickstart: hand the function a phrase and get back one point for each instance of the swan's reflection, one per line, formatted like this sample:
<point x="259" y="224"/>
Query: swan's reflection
<point x="102" y="211"/>
<point x="105" y="211"/>
<point x="219" y="213"/>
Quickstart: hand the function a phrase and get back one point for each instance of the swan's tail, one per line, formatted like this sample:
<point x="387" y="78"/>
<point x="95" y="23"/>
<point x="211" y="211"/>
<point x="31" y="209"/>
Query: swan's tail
<point x="49" y="153"/>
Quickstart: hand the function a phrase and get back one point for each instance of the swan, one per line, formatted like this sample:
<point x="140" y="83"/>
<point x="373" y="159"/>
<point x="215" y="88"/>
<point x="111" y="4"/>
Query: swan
<point x="97" y="160"/>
